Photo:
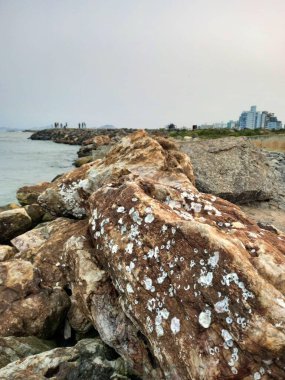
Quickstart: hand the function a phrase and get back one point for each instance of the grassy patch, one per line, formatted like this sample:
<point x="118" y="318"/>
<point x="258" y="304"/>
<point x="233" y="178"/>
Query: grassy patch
<point x="218" y="133"/>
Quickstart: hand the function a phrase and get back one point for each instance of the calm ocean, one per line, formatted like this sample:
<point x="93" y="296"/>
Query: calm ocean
<point x="26" y="162"/>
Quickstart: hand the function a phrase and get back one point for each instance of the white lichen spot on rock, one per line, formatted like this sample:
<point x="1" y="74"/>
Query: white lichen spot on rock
<point x="213" y="260"/>
<point x="222" y="306"/>
<point x="130" y="267"/>
<point x="175" y="325"/>
<point x="121" y="209"/>
<point x="129" y="248"/>
<point x="205" y="319"/>
<point x="136" y="217"/>
<point x="162" y="277"/>
<point x="130" y="288"/>
<point x="159" y="330"/>
<point x="147" y="283"/>
<point x="197" y="207"/>
<point x="227" y="338"/>
<point x="114" y="248"/>
<point x="149" y="218"/>
<point x="163" y="228"/>
<point x="206" y="280"/>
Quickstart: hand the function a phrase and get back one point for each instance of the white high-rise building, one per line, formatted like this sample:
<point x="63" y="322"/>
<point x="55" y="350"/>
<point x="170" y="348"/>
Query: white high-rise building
<point x="253" y="119"/>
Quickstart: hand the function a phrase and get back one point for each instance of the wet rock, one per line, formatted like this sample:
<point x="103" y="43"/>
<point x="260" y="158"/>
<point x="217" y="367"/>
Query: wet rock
<point x="231" y="168"/>
<point x="28" y="195"/>
<point x="89" y="359"/>
<point x="85" y="150"/>
<point x="82" y="160"/>
<point x="15" y="348"/>
<point x="13" y="223"/>
<point x="25" y="307"/>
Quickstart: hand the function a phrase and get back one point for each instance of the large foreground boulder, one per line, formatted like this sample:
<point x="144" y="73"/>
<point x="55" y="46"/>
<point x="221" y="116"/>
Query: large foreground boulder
<point x="231" y="168"/>
<point x="203" y="283"/>
<point x="89" y="359"/>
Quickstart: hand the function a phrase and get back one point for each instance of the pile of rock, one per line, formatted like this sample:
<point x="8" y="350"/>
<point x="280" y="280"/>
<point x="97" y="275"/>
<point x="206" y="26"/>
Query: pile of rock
<point x="181" y="284"/>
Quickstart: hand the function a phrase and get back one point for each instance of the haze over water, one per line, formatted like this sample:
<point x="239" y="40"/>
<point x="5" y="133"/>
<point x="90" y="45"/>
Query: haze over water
<point x="27" y="162"/>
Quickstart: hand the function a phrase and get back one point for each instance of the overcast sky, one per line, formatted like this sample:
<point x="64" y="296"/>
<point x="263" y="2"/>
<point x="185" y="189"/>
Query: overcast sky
<point x="139" y="63"/>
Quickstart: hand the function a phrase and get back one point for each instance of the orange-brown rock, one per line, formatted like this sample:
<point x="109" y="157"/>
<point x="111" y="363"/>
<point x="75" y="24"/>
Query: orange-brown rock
<point x="202" y="282"/>
<point x="25" y="307"/>
<point x="28" y="195"/>
<point x="98" y="140"/>
<point x="137" y="154"/>
<point x="62" y="253"/>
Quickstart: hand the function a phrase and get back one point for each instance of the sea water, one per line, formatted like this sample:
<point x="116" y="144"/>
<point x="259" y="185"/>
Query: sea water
<point x="27" y="162"/>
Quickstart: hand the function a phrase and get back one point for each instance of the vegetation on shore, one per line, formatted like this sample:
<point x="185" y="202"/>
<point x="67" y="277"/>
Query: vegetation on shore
<point x="218" y="133"/>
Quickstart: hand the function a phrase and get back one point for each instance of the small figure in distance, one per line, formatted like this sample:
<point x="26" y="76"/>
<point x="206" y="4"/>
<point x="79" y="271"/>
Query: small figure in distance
<point x="79" y="125"/>
<point x="61" y="125"/>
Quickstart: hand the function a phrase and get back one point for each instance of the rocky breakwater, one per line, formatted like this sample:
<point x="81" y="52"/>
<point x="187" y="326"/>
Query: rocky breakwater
<point x="75" y="136"/>
<point x="181" y="284"/>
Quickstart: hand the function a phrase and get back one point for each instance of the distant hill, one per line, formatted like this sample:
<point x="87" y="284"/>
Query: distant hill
<point x="7" y="129"/>
<point x="107" y="126"/>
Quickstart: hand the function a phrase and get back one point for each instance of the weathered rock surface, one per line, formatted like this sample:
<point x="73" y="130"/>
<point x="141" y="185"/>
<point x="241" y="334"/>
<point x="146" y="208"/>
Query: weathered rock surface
<point x="89" y="359"/>
<point x="98" y="140"/>
<point x="39" y="235"/>
<point x="204" y="284"/>
<point x="26" y="308"/>
<point x="13" y="223"/>
<point x="28" y="195"/>
<point x="62" y="253"/>
<point x="6" y="252"/>
<point x="35" y="212"/>
<point x="232" y="168"/>
<point x="137" y="155"/>
<point x="15" y="348"/>
<point x="277" y="163"/>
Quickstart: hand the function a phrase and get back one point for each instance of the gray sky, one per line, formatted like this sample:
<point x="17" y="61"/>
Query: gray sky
<point x="139" y="63"/>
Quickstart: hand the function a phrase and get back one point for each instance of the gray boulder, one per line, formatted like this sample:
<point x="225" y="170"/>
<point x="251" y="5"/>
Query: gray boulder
<point x="231" y="168"/>
<point x="14" y="348"/>
<point x="89" y="359"/>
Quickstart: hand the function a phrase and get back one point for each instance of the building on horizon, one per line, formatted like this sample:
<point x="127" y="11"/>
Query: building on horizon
<point x="258" y="120"/>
